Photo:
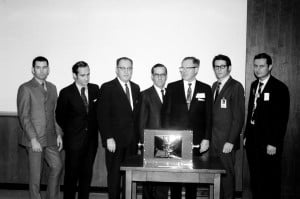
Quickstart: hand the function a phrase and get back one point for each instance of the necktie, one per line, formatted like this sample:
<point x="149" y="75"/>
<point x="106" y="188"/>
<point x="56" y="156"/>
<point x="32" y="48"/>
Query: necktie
<point x="257" y="95"/>
<point x="259" y="88"/>
<point x="217" y="90"/>
<point x="162" y="94"/>
<point x="84" y="99"/>
<point x="127" y="92"/>
<point x="189" y="96"/>
<point x="44" y="86"/>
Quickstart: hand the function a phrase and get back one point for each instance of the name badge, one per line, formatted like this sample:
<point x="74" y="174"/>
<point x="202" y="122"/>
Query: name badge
<point x="200" y="95"/>
<point x="223" y="103"/>
<point x="266" y="96"/>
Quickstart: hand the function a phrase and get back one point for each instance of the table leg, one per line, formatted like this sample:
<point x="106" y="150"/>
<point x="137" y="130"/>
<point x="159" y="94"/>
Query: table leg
<point x="211" y="191"/>
<point x="217" y="186"/>
<point x="128" y="184"/>
<point x="133" y="190"/>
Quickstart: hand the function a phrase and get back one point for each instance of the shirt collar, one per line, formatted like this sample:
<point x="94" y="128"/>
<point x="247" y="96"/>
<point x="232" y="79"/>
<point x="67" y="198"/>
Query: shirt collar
<point x="79" y="87"/>
<point x="265" y="81"/>
<point x="186" y="83"/>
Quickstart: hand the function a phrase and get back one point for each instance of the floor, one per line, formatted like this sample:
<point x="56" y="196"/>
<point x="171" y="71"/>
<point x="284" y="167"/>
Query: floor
<point x="22" y="194"/>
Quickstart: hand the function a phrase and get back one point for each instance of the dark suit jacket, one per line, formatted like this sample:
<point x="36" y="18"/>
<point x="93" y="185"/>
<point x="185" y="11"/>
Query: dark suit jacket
<point x="116" y="118"/>
<point x="271" y="114"/>
<point x="150" y="111"/>
<point x="71" y="115"/>
<point x="228" y="122"/>
<point x="175" y="114"/>
<point x="36" y="109"/>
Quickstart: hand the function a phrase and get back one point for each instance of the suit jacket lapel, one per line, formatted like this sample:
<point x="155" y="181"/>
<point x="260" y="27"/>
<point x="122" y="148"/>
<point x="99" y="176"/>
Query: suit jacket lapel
<point x="38" y="86"/>
<point x="182" y="93"/>
<point x="155" y="96"/>
<point x="226" y="86"/>
<point x="77" y="96"/>
<point x="123" y="94"/>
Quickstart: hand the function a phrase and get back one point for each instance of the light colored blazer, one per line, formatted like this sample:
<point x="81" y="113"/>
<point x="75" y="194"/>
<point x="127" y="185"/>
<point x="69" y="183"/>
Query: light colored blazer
<point x="36" y="111"/>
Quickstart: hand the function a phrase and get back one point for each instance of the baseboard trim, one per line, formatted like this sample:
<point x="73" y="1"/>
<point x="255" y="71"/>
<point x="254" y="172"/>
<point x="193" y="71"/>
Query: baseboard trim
<point x="19" y="186"/>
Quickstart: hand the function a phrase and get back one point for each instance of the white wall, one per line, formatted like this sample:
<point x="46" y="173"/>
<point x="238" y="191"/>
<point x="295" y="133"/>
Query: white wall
<point x="100" y="31"/>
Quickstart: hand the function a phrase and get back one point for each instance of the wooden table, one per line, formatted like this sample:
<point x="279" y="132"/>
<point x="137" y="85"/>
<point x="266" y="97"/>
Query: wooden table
<point x="205" y="170"/>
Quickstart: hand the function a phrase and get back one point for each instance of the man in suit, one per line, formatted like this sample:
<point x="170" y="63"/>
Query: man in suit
<point x="188" y="105"/>
<point x="268" y="112"/>
<point x="117" y="114"/>
<point x="150" y="118"/>
<point x="42" y="137"/>
<point x="76" y="114"/>
<point x="228" y="120"/>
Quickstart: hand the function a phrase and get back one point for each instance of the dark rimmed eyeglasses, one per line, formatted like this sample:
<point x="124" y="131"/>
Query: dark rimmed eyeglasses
<point x="220" y="67"/>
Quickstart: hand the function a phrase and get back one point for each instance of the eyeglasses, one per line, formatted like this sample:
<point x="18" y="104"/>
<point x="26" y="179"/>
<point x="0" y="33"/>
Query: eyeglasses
<point x="159" y="75"/>
<point x="221" y="67"/>
<point x="187" y="68"/>
<point x="124" y="68"/>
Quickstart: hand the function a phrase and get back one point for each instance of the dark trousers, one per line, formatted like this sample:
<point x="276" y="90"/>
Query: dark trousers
<point x="155" y="190"/>
<point x="113" y="163"/>
<point x="228" y="162"/>
<point x="265" y="171"/>
<point x="53" y="158"/>
<point x="190" y="188"/>
<point x="79" y="170"/>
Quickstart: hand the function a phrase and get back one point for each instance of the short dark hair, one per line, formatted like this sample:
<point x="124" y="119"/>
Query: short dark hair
<point x="158" y="65"/>
<point x="41" y="59"/>
<point x="194" y="59"/>
<point x="222" y="57"/>
<point x="79" y="64"/>
<point x="123" y="58"/>
<point x="264" y="56"/>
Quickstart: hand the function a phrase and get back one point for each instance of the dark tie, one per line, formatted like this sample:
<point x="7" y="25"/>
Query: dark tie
<point x="127" y="93"/>
<point x="217" y="90"/>
<point x="189" y="96"/>
<point x="162" y="94"/>
<point x="84" y="99"/>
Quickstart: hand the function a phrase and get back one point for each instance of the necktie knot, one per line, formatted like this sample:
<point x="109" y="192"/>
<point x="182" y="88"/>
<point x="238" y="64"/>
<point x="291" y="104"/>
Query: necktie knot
<point x="82" y="90"/>
<point x="260" y="87"/>
<point x="44" y="86"/>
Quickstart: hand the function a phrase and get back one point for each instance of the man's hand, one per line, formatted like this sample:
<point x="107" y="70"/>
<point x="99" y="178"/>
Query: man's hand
<point x="36" y="146"/>
<point x="59" y="142"/>
<point x="111" y="145"/>
<point x="271" y="150"/>
<point x="227" y="148"/>
<point x="204" y="145"/>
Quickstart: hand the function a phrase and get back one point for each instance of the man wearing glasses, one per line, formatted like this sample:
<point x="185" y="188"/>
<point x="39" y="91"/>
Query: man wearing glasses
<point x="188" y="105"/>
<point x="117" y="114"/>
<point x="149" y="118"/>
<point x="228" y="120"/>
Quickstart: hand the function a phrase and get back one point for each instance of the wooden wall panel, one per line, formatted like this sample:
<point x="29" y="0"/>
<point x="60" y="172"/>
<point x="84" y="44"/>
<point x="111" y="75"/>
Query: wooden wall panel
<point x="273" y="26"/>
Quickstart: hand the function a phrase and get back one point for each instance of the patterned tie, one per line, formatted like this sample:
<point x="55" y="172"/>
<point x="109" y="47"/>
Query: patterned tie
<point x="217" y="90"/>
<point x="127" y="92"/>
<point x="84" y="99"/>
<point x="257" y="95"/>
<point x="189" y="96"/>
